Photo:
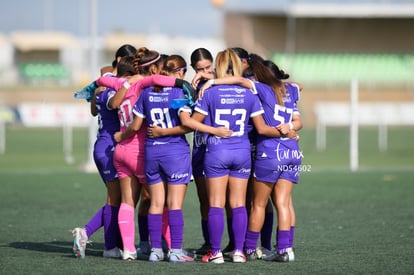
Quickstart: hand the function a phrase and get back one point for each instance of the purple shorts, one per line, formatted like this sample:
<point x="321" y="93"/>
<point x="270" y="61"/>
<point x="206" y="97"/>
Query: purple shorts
<point x="235" y="163"/>
<point x="170" y="163"/>
<point x="284" y="163"/>
<point x="197" y="161"/>
<point x="103" y="155"/>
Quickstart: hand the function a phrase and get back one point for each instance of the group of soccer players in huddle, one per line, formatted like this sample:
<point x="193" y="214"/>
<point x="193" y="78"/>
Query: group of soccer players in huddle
<point x="244" y="158"/>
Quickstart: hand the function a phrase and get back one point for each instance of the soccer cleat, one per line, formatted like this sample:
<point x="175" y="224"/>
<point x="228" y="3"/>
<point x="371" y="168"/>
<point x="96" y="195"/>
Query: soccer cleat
<point x="215" y="259"/>
<point x="129" y="255"/>
<point x="156" y="255"/>
<point x="238" y="256"/>
<point x="291" y="254"/>
<point x="144" y="250"/>
<point x="228" y="250"/>
<point x="178" y="256"/>
<point x="264" y="252"/>
<point x="190" y="254"/>
<point x="276" y="257"/>
<point x="80" y="240"/>
<point x="203" y="249"/>
<point x="115" y="253"/>
<point x="252" y="255"/>
<point x="259" y="253"/>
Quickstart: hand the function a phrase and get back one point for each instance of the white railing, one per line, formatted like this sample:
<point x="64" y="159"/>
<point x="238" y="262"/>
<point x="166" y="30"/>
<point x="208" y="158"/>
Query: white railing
<point x="380" y="114"/>
<point x="65" y="115"/>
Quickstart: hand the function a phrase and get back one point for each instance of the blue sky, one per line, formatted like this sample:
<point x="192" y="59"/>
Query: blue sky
<point x="179" y="17"/>
<point x="172" y="17"/>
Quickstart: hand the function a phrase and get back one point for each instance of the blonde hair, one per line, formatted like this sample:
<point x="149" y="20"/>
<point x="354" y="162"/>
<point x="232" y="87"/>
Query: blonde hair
<point x="228" y="63"/>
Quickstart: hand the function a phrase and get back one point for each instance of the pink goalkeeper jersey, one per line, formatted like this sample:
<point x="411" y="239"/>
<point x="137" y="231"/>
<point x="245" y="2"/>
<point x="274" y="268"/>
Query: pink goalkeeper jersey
<point x="125" y="110"/>
<point x="129" y="154"/>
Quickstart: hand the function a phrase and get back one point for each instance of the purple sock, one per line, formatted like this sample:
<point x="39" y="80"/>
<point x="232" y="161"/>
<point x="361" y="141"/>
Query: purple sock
<point x="112" y="235"/>
<point x="95" y="223"/>
<point x="239" y="226"/>
<point x="155" y="229"/>
<point x="292" y="236"/>
<point x="143" y="228"/>
<point x="204" y="228"/>
<point x="266" y="232"/>
<point x="282" y="240"/>
<point x="176" y="222"/>
<point x="216" y="228"/>
<point x="230" y="230"/>
<point x="251" y="240"/>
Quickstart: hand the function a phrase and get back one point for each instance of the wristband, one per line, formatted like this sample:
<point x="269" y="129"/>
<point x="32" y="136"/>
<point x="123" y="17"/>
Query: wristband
<point x="290" y="126"/>
<point x="211" y="81"/>
<point x="126" y="85"/>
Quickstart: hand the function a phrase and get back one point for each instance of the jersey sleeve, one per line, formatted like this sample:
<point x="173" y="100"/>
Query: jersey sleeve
<point x="139" y="107"/>
<point x="156" y="79"/>
<point x="201" y="105"/>
<point x="179" y="93"/>
<point x="257" y="108"/>
<point x="110" y="82"/>
<point x="109" y="95"/>
<point x="186" y="109"/>
<point x="294" y="93"/>
<point x="254" y="88"/>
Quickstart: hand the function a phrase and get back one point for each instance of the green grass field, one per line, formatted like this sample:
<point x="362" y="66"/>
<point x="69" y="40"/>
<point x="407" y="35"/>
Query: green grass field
<point x="347" y="222"/>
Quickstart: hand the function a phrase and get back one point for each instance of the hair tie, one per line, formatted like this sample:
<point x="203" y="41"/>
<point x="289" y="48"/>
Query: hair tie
<point x="180" y="69"/>
<point x="151" y="62"/>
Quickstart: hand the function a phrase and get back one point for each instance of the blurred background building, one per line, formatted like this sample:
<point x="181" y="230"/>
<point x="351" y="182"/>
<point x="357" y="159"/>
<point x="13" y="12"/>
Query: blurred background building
<point x="329" y="42"/>
<point x="321" y="43"/>
<point x="51" y="48"/>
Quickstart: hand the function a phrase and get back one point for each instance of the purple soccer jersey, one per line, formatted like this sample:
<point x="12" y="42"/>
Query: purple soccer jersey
<point x="230" y="106"/>
<point x="155" y="108"/>
<point x="277" y="157"/>
<point x="168" y="157"/>
<point x="108" y="124"/>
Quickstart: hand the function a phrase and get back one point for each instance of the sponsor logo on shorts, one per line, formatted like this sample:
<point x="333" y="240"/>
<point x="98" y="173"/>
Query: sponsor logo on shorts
<point x="179" y="176"/>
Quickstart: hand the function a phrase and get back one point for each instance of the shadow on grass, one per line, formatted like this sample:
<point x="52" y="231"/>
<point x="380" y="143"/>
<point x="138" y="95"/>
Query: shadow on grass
<point x="94" y="249"/>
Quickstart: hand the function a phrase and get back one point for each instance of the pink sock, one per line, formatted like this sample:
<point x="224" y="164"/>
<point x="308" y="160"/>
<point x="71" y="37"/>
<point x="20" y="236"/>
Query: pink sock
<point x="166" y="228"/>
<point x="127" y="226"/>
